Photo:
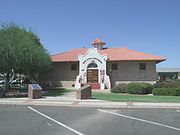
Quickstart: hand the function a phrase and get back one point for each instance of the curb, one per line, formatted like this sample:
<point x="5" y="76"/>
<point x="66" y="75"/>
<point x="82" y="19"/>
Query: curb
<point x="91" y="104"/>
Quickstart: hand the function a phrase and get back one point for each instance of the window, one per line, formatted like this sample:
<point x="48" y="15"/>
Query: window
<point x="114" y="67"/>
<point x="73" y="67"/>
<point x="142" y="66"/>
<point x="92" y="65"/>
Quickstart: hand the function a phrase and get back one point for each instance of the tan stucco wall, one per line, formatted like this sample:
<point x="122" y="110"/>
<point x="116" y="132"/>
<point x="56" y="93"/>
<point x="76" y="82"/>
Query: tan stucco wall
<point x="129" y="72"/>
<point x="61" y="74"/>
<point x="62" y="71"/>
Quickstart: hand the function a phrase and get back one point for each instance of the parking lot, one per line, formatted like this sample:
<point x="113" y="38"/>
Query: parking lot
<point x="44" y="120"/>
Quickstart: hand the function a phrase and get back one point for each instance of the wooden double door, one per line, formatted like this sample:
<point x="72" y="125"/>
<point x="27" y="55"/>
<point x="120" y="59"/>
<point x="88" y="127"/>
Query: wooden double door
<point x="92" y="75"/>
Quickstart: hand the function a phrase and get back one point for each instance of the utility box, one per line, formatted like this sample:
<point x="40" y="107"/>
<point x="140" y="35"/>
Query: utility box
<point x="34" y="91"/>
<point x="84" y="92"/>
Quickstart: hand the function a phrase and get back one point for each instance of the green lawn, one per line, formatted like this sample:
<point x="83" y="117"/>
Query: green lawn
<point x="56" y="92"/>
<point x="135" y="98"/>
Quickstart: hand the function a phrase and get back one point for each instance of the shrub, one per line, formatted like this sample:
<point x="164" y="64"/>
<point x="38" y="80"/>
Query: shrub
<point x="119" y="88"/>
<point x="167" y="85"/>
<point x="178" y="81"/>
<point x="139" y="88"/>
<point x="1" y="88"/>
<point x="2" y="91"/>
<point x="166" y="91"/>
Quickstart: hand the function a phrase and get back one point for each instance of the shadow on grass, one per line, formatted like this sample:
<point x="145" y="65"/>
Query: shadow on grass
<point x="16" y="93"/>
<point x="56" y="92"/>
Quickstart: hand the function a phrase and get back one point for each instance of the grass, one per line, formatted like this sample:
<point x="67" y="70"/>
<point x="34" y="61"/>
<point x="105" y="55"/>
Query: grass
<point x="135" y="98"/>
<point x="56" y="92"/>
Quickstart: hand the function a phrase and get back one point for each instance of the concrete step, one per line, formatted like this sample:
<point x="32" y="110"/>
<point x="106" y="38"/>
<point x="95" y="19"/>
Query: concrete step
<point x="94" y="85"/>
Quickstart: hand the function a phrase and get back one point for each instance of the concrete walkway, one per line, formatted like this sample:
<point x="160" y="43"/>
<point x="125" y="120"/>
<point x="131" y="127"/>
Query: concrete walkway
<point x="69" y="99"/>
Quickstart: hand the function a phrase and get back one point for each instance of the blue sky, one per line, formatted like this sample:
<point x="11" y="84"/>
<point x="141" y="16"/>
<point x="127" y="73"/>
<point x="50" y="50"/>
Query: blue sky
<point x="150" y="26"/>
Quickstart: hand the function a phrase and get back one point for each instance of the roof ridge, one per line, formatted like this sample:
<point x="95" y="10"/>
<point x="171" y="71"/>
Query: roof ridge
<point x="117" y="47"/>
<point x="67" y="51"/>
<point x="145" y="53"/>
<point x="58" y="53"/>
<point x="77" y="48"/>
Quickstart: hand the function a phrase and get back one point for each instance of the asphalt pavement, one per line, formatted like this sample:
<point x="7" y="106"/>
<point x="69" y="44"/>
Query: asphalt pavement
<point x="58" y="120"/>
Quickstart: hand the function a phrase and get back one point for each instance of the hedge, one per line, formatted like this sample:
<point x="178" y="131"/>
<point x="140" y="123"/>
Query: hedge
<point x="2" y="88"/>
<point x="167" y="85"/>
<point x="139" y="88"/>
<point x="166" y="91"/>
<point x="119" y="88"/>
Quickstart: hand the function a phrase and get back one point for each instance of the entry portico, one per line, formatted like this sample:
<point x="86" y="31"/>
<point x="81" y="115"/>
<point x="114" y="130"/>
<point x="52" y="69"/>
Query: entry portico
<point x="92" y="69"/>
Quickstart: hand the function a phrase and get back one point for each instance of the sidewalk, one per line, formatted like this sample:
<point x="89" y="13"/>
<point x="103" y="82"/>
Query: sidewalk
<point x="69" y="99"/>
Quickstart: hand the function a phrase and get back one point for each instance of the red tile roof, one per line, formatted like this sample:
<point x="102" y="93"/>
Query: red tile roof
<point x="114" y="54"/>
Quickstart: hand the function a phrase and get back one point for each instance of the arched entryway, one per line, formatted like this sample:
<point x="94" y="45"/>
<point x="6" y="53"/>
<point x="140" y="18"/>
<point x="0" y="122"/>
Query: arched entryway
<point x="92" y="70"/>
<point x="92" y="73"/>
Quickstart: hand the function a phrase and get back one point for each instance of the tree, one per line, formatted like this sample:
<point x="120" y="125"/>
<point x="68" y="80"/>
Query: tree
<point x="21" y="52"/>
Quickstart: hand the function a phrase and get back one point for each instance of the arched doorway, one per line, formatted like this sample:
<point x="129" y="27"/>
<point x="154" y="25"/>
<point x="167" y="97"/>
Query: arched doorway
<point x="92" y="70"/>
<point x="92" y="73"/>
